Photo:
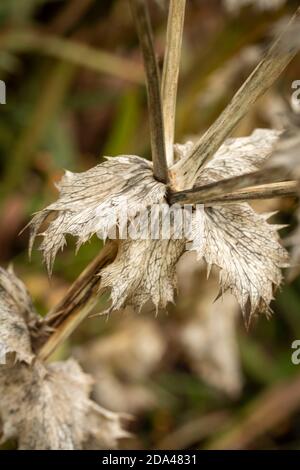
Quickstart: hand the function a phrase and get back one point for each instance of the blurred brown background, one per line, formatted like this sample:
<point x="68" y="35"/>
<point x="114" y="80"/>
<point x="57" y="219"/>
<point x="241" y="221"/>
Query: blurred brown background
<point x="75" y="91"/>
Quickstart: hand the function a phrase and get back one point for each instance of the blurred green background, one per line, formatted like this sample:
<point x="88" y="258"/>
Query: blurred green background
<point x="75" y="92"/>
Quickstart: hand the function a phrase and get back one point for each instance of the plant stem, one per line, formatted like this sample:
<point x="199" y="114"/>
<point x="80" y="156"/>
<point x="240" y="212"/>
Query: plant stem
<point x="76" y="304"/>
<point x="219" y="188"/>
<point x="267" y="191"/>
<point x="143" y="26"/>
<point x="171" y="72"/>
<point x="184" y="173"/>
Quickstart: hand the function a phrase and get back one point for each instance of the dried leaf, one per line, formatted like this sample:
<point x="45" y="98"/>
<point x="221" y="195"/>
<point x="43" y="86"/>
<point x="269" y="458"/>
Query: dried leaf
<point x="143" y="270"/>
<point x="239" y="156"/>
<point x="48" y="407"/>
<point x="236" y="239"/>
<point x="44" y="407"/>
<point x="94" y="202"/>
<point x="16" y="312"/>
<point x="236" y="156"/>
<point x="247" y="251"/>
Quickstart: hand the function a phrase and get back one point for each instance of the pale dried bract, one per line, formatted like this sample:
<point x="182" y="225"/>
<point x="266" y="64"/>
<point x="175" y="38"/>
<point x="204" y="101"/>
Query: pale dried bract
<point x="238" y="156"/>
<point x="246" y="249"/>
<point x="48" y="407"/>
<point x="91" y="202"/>
<point x="16" y="312"/>
<point x="44" y="406"/>
<point x="143" y="270"/>
<point x="236" y="239"/>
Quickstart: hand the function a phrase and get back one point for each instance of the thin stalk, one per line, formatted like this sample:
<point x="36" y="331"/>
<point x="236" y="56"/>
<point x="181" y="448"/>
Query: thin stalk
<point x="219" y="188"/>
<point x="143" y="26"/>
<point x="171" y="73"/>
<point x="76" y="304"/>
<point x="267" y="191"/>
<point x="184" y="173"/>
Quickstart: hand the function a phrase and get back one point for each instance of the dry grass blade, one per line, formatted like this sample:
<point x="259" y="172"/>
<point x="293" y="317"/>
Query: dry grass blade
<point x="143" y="26"/>
<point x="77" y="303"/>
<point x="268" y="191"/>
<point x="220" y="190"/>
<point x="171" y="72"/>
<point x="185" y="172"/>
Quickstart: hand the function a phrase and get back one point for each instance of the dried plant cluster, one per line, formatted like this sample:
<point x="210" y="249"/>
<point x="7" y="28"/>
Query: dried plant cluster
<point x="47" y="406"/>
<point x="44" y="406"/>
<point x="236" y="239"/>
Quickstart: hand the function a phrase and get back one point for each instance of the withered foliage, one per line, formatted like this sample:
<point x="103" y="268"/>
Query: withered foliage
<point x="45" y="406"/>
<point x="234" y="238"/>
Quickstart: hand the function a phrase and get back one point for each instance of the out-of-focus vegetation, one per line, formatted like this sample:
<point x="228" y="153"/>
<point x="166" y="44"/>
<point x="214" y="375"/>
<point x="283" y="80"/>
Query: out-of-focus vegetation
<point x="75" y="92"/>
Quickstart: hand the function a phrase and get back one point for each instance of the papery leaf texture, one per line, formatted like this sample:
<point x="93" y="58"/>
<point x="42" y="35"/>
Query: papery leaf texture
<point x="93" y="201"/>
<point x="246" y="249"/>
<point x="48" y="407"/>
<point x="16" y="312"/>
<point x="236" y="239"/>
<point x="143" y="270"/>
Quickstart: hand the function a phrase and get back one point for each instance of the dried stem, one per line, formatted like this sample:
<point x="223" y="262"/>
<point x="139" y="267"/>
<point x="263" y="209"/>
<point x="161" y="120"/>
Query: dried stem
<point x="265" y="191"/>
<point x="171" y="72"/>
<point x="184" y="173"/>
<point x="143" y="25"/>
<point x="77" y="303"/>
<point x="219" y="188"/>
